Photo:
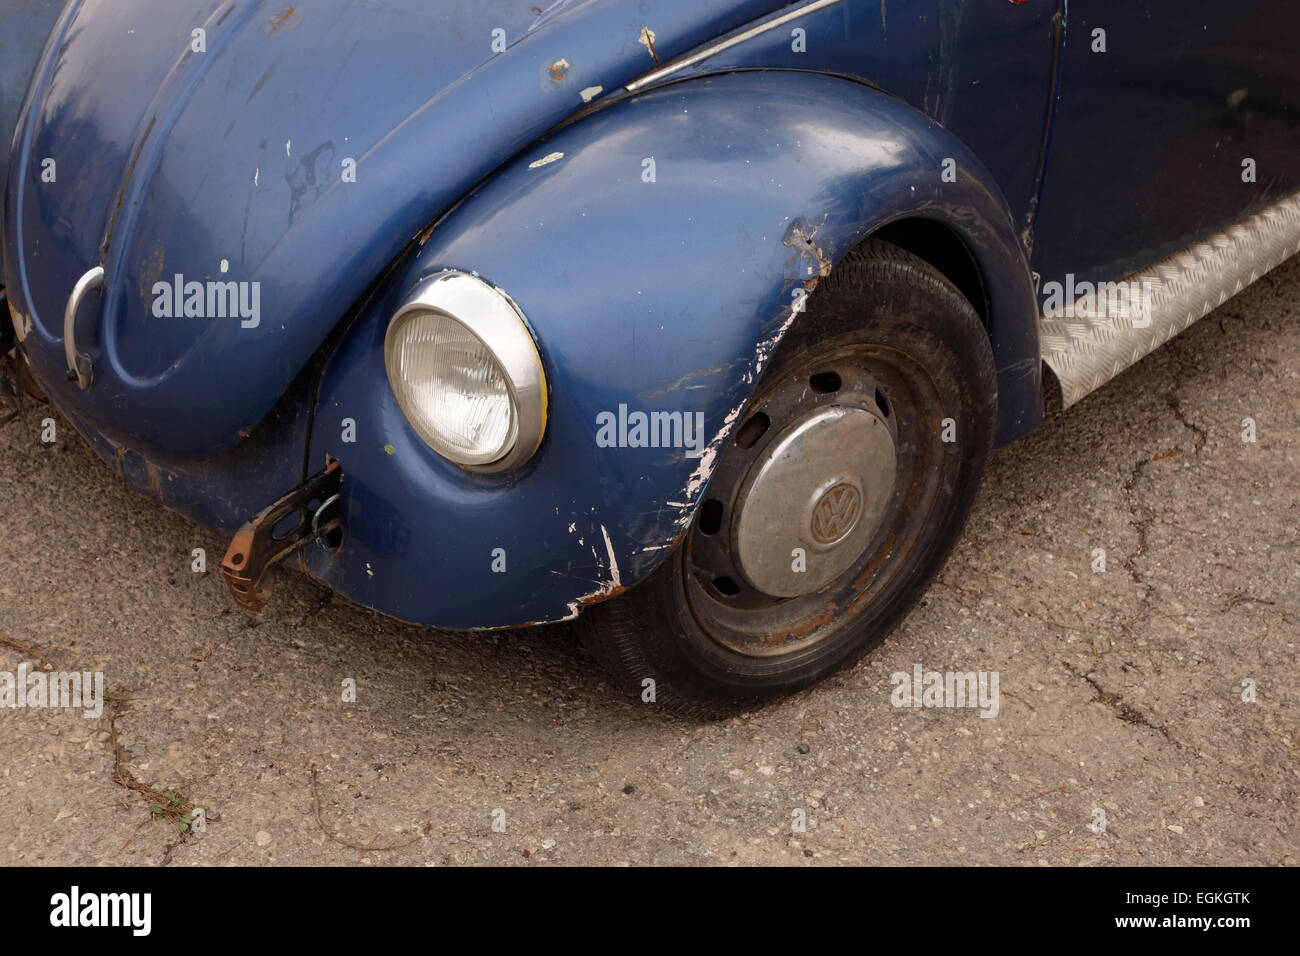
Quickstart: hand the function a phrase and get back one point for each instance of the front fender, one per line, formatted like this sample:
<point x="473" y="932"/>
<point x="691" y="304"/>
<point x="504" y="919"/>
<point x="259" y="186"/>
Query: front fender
<point x="657" y="248"/>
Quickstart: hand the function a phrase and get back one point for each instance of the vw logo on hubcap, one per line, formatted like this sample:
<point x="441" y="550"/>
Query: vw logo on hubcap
<point x="836" y="513"/>
<point x="823" y="485"/>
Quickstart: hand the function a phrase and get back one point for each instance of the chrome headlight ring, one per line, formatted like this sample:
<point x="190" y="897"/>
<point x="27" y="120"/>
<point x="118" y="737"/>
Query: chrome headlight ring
<point x="453" y="315"/>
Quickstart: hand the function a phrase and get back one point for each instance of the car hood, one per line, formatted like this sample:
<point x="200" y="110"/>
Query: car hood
<point x="243" y="171"/>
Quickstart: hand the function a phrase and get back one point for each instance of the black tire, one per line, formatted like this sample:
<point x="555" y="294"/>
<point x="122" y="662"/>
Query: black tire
<point x="883" y="316"/>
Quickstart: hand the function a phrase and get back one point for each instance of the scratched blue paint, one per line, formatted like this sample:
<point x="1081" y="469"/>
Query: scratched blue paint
<point x="236" y="154"/>
<point x="640" y="301"/>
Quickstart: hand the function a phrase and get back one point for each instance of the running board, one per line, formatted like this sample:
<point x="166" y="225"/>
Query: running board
<point x="1104" y="333"/>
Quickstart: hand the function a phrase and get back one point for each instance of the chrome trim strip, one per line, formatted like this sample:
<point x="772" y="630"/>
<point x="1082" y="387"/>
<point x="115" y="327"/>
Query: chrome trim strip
<point x="79" y="367"/>
<point x="690" y="59"/>
<point x="1097" y="343"/>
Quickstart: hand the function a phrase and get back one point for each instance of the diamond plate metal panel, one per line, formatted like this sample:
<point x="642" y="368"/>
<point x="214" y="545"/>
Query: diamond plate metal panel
<point x="1101" y="334"/>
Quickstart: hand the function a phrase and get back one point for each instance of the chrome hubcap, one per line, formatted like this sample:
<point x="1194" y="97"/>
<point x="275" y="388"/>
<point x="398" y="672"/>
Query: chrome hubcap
<point x="813" y="500"/>
<point x="814" y="506"/>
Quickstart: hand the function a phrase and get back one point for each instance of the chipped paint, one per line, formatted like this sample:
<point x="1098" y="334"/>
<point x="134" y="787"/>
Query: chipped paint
<point x="708" y="460"/>
<point x="647" y="40"/>
<point x="709" y="457"/>
<point x="22" y="322"/>
<point x="545" y="160"/>
<point x="799" y="237"/>
<point x="763" y="351"/>
<point x="615" y="580"/>
<point x="590" y="93"/>
<point x="682" y="381"/>
<point x="605" y="589"/>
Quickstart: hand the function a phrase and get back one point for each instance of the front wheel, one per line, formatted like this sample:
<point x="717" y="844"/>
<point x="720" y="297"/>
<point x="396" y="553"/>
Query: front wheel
<point x="834" y="503"/>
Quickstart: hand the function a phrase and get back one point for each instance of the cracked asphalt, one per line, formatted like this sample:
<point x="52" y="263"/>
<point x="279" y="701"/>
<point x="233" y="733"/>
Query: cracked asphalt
<point x="1122" y="735"/>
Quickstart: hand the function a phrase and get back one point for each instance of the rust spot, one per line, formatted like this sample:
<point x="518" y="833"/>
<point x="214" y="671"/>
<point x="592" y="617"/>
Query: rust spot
<point x="677" y="540"/>
<point x="813" y="623"/>
<point x="870" y="570"/>
<point x="602" y="596"/>
<point x="279" y="21"/>
<point x="559" y="69"/>
<point x="647" y="39"/>
<point x="918" y="486"/>
<point x="254" y="548"/>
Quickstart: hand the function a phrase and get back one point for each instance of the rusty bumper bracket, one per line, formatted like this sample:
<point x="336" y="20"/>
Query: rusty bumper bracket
<point x="273" y="535"/>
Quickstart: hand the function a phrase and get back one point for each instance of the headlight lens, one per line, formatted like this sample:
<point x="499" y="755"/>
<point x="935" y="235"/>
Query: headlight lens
<point x="465" y="371"/>
<point x="455" y="387"/>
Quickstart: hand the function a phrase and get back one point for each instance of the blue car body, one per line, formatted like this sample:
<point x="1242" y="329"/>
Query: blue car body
<point x="652" y="229"/>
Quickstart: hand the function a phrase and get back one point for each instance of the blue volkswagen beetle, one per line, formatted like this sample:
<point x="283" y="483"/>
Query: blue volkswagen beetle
<point x="693" y="320"/>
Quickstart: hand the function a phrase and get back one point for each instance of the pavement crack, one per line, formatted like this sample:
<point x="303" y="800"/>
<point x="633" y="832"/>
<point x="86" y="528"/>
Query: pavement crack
<point x="1176" y="405"/>
<point x="1141" y="518"/>
<point x="366" y="849"/>
<point x="1116" y="703"/>
<point x="171" y="805"/>
<point x="33" y="651"/>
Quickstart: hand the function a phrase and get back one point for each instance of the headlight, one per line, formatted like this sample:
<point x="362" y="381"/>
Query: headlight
<point x="465" y="371"/>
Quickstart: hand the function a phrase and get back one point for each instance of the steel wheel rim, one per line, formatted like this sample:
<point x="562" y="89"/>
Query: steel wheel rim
<point x="905" y="404"/>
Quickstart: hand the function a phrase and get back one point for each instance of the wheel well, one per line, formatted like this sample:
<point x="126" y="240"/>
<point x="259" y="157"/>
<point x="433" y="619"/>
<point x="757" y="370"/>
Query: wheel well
<point x="942" y="248"/>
